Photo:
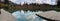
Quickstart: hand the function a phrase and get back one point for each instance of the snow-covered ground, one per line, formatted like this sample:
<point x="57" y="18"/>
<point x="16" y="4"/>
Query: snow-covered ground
<point x="30" y="16"/>
<point x="6" y="16"/>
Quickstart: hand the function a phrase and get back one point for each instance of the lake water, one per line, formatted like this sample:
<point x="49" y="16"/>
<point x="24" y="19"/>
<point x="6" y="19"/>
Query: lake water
<point x="27" y="16"/>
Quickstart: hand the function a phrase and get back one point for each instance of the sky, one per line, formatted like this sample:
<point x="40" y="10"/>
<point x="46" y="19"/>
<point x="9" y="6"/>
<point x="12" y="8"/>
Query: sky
<point x="51" y="2"/>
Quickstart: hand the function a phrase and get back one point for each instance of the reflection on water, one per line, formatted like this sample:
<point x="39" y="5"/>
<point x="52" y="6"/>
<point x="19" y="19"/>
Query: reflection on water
<point x="27" y="16"/>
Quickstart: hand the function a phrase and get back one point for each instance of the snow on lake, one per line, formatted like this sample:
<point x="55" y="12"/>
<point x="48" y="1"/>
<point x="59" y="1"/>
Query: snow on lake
<point x="27" y="16"/>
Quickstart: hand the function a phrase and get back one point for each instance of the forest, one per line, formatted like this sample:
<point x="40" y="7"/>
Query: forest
<point x="11" y="7"/>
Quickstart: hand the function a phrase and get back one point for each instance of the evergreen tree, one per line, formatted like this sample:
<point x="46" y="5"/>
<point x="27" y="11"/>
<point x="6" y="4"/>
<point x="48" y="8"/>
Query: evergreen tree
<point x="58" y="2"/>
<point x="6" y="1"/>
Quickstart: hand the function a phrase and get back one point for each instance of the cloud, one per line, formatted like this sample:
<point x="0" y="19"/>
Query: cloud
<point x="51" y="2"/>
<point x="22" y="1"/>
<point x="13" y="0"/>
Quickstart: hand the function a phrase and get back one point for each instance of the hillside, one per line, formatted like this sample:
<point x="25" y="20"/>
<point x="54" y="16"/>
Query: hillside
<point x="33" y="7"/>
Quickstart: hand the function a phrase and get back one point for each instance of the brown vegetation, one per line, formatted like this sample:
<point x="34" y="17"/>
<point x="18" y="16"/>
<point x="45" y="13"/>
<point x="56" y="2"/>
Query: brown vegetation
<point x="32" y="7"/>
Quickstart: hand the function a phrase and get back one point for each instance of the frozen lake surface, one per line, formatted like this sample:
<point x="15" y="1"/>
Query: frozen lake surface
<point x="27" y="16"/>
